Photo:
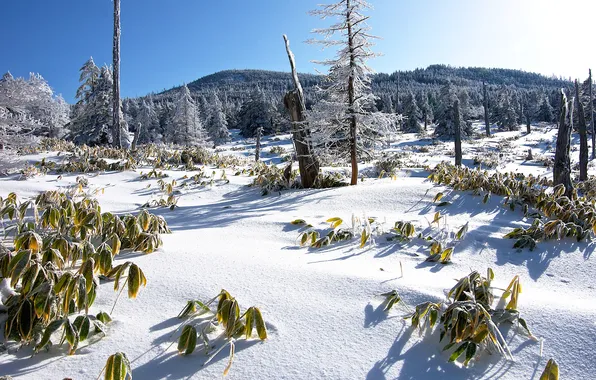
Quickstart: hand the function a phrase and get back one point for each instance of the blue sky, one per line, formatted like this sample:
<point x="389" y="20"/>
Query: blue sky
<point x="167" y="43"/>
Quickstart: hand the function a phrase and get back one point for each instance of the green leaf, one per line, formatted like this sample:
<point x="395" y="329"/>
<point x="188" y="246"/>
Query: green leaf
<point x="298" y="222"/>
<point x="52" y="328"/>
<point x="457" y="353"/>
<point x="551" y="371"/>
<point x="188" y="340"/>
<point x="103" y="317"/>
<point x="249" y="319"/>
<point x="136" y="278"/>
<point x="470" y="352"/>
<point x="260" y="323"/>
<point x="72" y="336"/>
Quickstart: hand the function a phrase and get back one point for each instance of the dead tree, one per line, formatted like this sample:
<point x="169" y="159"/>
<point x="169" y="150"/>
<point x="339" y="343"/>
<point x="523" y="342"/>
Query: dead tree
<point x="294" y="103"/>
<point x="116" y="77"/>
<point x="562" y="164"/>
<point x="592" y="118"/>
<point x="135" y="141"/>
<point x="583" y="136"/>
<point x="258" y="144"/>
<point x="458" y="155"/>
<point x="485" y="103"/>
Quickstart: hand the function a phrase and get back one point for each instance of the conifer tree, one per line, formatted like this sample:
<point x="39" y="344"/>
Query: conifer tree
<point x="186" y="127"/>
<point x="217" y="125"/>
<point x="343" y="122"/>
<point x="445" y="117"/>
<point x="412" y="114"/>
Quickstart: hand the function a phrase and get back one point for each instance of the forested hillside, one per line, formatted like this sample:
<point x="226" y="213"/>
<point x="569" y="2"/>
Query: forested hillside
<point x="254" y="97"/>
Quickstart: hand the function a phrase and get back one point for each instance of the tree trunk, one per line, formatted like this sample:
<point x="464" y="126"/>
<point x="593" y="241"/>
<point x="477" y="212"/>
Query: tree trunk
<point x="528" y="124"/>
<point x="562" y="165"/>
<point x="352" y="98"/>
<point x="294" y="103"/>
<point x="458" y="155"/>
<point x="592" y="119"/>
<point x="485" y="103"/>
<point x="397" y="105"/>
<point x="583" y="136"/>
<point x="135" y="141"/>
<point x="258" y="145"/>
<point x="116" y="86"/>
<point x="307" y="163"/>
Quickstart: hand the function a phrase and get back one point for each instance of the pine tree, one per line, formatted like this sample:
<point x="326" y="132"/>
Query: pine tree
<point x="545" y="112"/>
<point x="255" y="113"/>
<point x="217" y="125"/>
<point x="412" y="114"/>
<point x="186" y="127"/>
<point x="92" y="123"/>
<point x="445" y="116"/>
<point x="506" y="111"/>
<point x="343" y="119"/>
<point x="148" y="122"/>
<point x="425" y="108"/>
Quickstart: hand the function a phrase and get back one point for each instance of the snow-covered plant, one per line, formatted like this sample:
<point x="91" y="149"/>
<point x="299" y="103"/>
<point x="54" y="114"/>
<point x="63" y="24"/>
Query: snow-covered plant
<point x="60" y="246"/>
<point x="468" y="321"/>
<point x="204" y="324"/>
<point x="343" y="123"/>
<point x="556" y="216"/>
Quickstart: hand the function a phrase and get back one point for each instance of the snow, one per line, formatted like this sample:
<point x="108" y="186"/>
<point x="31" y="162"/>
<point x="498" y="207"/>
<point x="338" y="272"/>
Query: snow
<point x="322" y="306"/>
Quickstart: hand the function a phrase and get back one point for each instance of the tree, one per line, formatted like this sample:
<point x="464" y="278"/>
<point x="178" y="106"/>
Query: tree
<point x="457" y="119"/>
<point x="294" y="102"/>
<point x="186" y="127"/>
<point x="120" y="130"/>
<point x="445" y="117"/>
<point x="255" y="113"/>
<point x="425" y="108"/>
<point x="506" y="111"/>
<point x="412" y="114"/>
<point x="29" y="107"/>
<point x="148" y="122"/>
<point x="486" y="112"/>
<point x="562" y="164"/>
<point x="217" y="125"/>
<point x="344" y="118"/>
<point x="92" y="124"/>
<point x="583" y="136"/>
<point x="545" y="111"/>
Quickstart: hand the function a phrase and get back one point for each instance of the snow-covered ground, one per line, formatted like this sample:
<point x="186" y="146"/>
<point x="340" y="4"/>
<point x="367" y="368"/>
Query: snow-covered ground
<point x="322" y="307"/>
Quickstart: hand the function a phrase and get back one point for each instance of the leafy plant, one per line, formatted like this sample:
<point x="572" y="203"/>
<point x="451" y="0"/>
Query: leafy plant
<point x="57" y="252"/>
<point x="467" y="320"/>
<point x="226" y="320"/>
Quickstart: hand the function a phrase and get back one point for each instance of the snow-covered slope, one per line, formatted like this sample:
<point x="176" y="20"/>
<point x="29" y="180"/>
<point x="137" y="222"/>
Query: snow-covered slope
<point x="322" y="306"/>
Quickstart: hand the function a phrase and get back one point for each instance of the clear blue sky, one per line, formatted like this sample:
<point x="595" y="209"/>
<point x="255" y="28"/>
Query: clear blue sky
<point x="168" y="42"/>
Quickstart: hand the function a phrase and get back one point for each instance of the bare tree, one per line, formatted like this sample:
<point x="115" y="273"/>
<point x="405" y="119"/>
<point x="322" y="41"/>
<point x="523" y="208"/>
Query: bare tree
<point x="562" y="165"/>
<point x="116" y="116"/>
<point x="458" y="154"/>
<point x="592" y="117"/>
<point x="583" y="136"/>
<point x="485" y="104"/>
<point x="294" y="103"/>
